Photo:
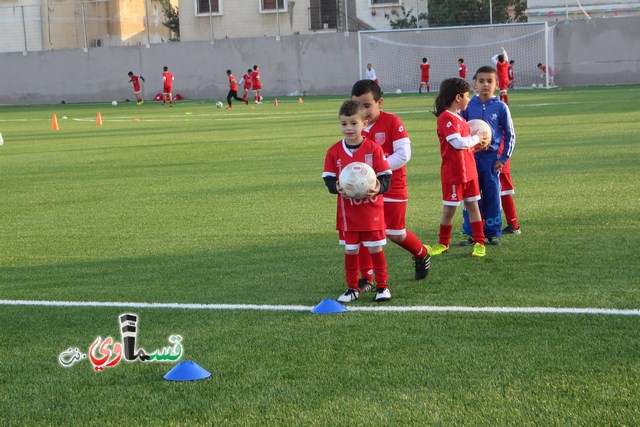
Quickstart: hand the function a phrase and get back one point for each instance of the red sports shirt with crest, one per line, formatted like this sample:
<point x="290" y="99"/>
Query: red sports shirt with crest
<point x="425" y="72"/>
<point x="357" y="214"/>
<point x="458" y="166"/>
<point x="387" y="131"/>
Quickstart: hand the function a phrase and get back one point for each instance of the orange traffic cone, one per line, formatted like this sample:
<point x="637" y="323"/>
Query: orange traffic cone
<point x="99" y="119"/>
<point x="300" y="100"/>
<point x="54" y="123"/>
<point x="275" y="102"/>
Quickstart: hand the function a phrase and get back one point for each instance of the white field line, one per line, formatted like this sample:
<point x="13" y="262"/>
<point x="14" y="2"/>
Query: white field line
<point x="260" y="307"/>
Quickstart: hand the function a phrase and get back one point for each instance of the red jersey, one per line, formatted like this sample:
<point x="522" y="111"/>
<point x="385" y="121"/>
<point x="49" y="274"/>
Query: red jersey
<point x="462" y="71"/>
<point x="357" y="214"/>
<point x="503" y="71"/>
<point x="255" y="80"/>
<point x="168" y="80"/>
<point x="510" y="72"/>
<point x="425" y="72"/>
<point x="233" y="84"/>
<point x="135" y="79"/>
<point x="387" y="131"/>
<point x="545" y="68"/>
<point x="247" y="82"/>
<point x="458" y="166"/>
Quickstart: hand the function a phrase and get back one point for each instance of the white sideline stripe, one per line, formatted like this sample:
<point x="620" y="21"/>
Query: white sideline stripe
<point x="423" y="308"/>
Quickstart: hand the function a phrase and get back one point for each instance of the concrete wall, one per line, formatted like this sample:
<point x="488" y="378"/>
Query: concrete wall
<point x="593" y="52"/>
<point x="314" y="64"/>
<point x="598" y="52"/>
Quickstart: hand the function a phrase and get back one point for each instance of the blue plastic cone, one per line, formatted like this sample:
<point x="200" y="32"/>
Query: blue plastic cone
<point x="187" y="371"/>
<point x="328" y="306"/>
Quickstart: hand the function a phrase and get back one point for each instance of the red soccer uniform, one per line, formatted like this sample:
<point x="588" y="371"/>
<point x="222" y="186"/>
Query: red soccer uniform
<point x="387" y="131"/>
<point x="255" y="80"/>
<point x="510" y="72"/>
<point x="425" y="72"/>
<point x="168" y="81"/>
<point x="503" y="74"/>
<point x="135" y="79"/>
<point x="462" y="71"/>
<point x="458" y="166"/>
<point x="357" y="214"/>
<point x="233" y="84"/>
<point x="247" y="82"/>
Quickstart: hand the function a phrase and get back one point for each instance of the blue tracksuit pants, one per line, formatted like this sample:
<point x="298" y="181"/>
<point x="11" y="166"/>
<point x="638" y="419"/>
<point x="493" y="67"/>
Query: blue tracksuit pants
<point x="490" y="205"/>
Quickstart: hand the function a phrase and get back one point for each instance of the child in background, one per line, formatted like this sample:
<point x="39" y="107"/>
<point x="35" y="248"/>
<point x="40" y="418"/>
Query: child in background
<point x="512" y="74"/>
<point x="233" y="91"/>
<point x="388" y="131"/>
<point x="462" y="69"/>
<point x="135" y="79"/>
<point x="167" y="87"/>
<point x="458" y="171"/>
<point x="245" y="82"/>
<point x="424" y="76"/>
<point x="359" y="221"/>
<point x="501" y="64"/>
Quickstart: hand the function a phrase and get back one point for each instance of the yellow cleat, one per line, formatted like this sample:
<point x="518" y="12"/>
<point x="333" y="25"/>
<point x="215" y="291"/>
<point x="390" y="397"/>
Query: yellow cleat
<point x="479" y="250"/>
<point x="438" y="249"/>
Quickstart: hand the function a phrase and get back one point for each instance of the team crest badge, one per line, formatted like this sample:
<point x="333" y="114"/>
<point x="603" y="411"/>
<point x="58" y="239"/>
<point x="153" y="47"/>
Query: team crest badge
<point x="380" y="138"/>
<point x="368" y="159"/>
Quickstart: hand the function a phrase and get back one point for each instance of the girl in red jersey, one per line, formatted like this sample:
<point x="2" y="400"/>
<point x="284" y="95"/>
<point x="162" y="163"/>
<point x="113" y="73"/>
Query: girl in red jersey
<point x="458" y="171"/>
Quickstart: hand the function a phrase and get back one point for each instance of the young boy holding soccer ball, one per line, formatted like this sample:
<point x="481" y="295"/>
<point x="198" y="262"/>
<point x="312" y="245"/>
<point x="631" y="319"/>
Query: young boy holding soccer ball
<point x="359" y="221"/>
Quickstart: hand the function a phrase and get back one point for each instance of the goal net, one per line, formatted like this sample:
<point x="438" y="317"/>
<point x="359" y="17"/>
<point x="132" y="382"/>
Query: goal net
<point x="397" y="54"/>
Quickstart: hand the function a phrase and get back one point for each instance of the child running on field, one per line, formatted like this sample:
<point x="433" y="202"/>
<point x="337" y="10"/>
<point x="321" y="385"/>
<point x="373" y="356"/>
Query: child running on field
<point x="458" y="171"/>
<point x="359" y="221"/>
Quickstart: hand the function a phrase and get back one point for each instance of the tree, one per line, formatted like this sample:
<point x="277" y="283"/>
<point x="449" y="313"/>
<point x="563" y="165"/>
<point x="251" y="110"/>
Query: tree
<point x="407" y="20"/>
<point x="172" y="21"/>
<point x="445" y="13"/>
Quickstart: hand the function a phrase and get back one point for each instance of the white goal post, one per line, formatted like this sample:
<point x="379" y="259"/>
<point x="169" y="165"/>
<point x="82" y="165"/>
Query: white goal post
<point x="397" y="54"/>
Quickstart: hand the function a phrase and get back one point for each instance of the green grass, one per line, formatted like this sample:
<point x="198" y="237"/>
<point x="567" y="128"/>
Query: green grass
<point x="199" y="205"/>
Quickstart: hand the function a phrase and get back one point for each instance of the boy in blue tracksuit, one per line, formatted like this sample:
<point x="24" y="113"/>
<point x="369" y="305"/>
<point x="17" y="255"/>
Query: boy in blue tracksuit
<point x="484" y="105"/>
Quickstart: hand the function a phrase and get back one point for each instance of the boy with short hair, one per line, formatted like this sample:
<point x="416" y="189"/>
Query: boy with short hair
<point x="233" y="91"/>
<point x="486" y="106"/>
<point x="135" y="79"/>
<point x="501" y="64"/>
<point x="388" y="131"/>
<point x="462" y="69"/>
<point x="424" y="76"/>
<point x="512" y="74"/>
<point x="256" y="84"/>
<point x="246" y="86"/>
<point x="167" y="87"/>
<point x="359" y="221"/>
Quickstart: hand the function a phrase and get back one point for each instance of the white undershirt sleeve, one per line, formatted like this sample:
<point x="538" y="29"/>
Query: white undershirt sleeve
<point x="458" y="142"/>
<point x="401" y="153"/>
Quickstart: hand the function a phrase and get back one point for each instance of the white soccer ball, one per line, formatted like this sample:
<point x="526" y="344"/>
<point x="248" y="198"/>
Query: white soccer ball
<point x="533" y="85"/>
<point x="479" y="127"/>
<point x="398" y="91"/>
<point x="540" y="85"/>
<point x="114" y="103"/>
<point x="219" y="104"/>
<point x="357" y="179"/>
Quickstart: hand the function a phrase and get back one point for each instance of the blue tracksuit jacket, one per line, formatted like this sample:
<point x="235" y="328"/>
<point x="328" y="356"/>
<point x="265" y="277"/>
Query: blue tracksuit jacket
<point x="497" y="114"/>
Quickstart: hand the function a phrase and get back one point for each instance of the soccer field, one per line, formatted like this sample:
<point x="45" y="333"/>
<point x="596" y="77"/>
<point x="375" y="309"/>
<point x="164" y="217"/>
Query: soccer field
<point x="199" y="205"/>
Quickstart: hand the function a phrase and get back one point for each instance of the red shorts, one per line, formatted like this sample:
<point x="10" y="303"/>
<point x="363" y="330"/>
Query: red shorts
<point x="352" y="239"/>
<point x="136" y="88"/>
<point x="168" y="89"/>
<point x="454" y="194"/>
<point x="506" y="184"/>
<point x="394" y="217"/>
<point x="256" y="86"/>
<point x="503" y="85"/>
<point x="247" y="87"/>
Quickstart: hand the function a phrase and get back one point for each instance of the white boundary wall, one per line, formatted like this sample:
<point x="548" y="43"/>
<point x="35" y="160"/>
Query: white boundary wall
<point x="589" y="52"/>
